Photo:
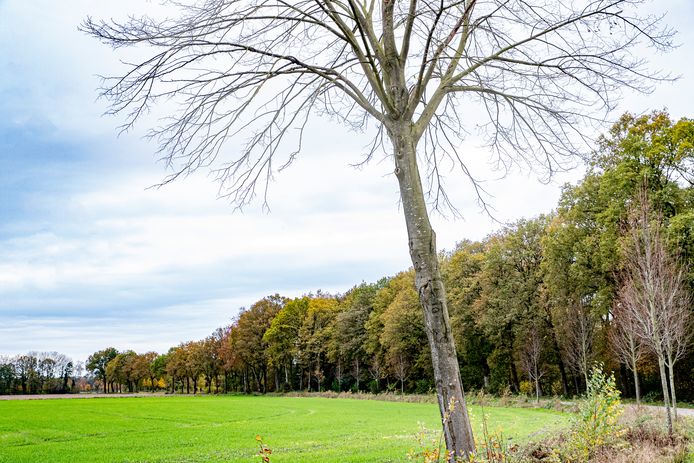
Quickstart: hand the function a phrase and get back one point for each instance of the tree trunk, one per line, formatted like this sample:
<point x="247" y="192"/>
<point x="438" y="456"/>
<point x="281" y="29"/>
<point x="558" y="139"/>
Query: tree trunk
<point x="515" y="385"/>
<point x="637" y="389"/>
<point x="432" y="296"/>
<point x="666" y="395"/>
<point x="487" y="373"/>
<point x="564" y="378"/>
<point x="358" y="371"/>
<point x="673" y="397"/>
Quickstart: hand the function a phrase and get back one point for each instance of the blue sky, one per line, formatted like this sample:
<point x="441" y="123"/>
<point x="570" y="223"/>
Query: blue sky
<point x="90" y="257"/>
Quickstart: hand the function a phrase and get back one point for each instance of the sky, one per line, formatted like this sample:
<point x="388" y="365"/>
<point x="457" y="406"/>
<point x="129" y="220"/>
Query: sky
<point x="91" y="257"/>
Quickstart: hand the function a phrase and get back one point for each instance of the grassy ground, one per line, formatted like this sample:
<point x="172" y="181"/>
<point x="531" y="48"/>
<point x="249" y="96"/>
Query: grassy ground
<point x="223" y="429"/>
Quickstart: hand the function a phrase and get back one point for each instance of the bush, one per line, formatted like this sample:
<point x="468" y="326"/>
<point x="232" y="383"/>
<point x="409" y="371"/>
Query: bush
<point x="596" y="427"/>
<point x="423" y="386"/>
<point x="526" y="388"/>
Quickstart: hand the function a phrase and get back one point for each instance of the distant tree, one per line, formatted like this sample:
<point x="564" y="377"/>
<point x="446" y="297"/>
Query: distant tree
<point x="176" y="367"/>
<point x="626" y="343"/>
<point x="461" y="272"/>
<point x="511" y="292"/>
<point x="579" y="338"/>
<point x="115" y="374"/>
<point x="403" y="335"/>
<point x="350" y="336"/>
<point x="315" y="334"/>
<point x="96" y="363"/>
<point x="7" y="375"/>
<point x="249" y="344"/>
<point x="67" y="375"/>
<point x="282" y="336"/>
<point x="531" y="357"/>
<point x="158" y="368"/>
<point x="26" y="368"/>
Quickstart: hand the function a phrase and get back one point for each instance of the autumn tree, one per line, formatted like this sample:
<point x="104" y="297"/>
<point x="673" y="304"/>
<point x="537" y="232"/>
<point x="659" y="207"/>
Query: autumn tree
<point x="511" y="294"/>
<point x="258" y="69"/>
<point x="403" y="334"/>
<point x="282" y="336"/>
<point x="249" y="342"/>
<point x="350" y="335"/>
<point x="176" y="366"/>
<point x="582" y="250"/>
<point x="315" y="334"/>
<point x="461" y="271"/>
<point x="96" y="363"/>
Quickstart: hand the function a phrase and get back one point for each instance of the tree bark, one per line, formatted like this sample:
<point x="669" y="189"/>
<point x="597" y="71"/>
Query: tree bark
<point x="637" y="388"/>
<point x="560" y="361"/>
<point x="666" y="395"/>
<point x="432" y="296"/>
<point x="514" y="377"/>
<point x="673" y="397"/>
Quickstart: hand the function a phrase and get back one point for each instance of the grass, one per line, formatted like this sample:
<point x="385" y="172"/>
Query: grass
<point x="223" y="429"/>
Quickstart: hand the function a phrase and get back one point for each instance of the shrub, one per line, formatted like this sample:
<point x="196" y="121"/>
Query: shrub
<point x="526" y="388"/>
<point x="596" y="426"/>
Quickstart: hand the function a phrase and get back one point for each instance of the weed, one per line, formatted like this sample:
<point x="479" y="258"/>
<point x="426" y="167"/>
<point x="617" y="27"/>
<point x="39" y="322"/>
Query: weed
<point x="264" y="451"/>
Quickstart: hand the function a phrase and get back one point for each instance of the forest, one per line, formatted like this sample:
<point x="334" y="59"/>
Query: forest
<point x="533" y="306"/>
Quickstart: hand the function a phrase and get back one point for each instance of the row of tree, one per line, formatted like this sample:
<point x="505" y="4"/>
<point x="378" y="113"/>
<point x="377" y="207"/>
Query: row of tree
<point x="532" y="306"/>
<point x="39" y="373"/>
<point x="606" y="278"/>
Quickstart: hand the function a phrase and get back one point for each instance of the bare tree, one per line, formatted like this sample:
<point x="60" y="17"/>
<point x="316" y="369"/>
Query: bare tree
<point x="678" y="325"/>
<point x="401" y="369"/>
<point x="531" y="358"/>
<point x="626" y="343"/>
<point x="376" y="371"/>
<point x="528" y="73"/>
<point x="356" y="370"/>
<point x="579" y="337"/>
<point x="654" y="293"/>
<point x="339" y="375"/>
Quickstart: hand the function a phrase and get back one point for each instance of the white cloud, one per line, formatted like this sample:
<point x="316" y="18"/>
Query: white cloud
<point x="111" y="262"/>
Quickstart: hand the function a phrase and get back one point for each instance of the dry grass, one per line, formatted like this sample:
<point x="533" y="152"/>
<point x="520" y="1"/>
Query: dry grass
<point x="645" y="441"/>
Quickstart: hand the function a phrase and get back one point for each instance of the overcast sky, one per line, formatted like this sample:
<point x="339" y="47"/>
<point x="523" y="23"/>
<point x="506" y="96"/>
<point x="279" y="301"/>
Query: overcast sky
<point x="89" y="257"/>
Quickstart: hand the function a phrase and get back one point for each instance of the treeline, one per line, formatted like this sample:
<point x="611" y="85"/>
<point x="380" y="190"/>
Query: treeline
<point x="39" y="373"/>
<point x="532" y="306"/>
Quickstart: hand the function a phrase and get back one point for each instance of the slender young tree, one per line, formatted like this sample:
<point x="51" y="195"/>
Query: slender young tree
<point x="677" y="331"/>
<point x="654" y="293"/>
<point x="528" y="73"/>
<point x="579" y="337"/>
<point x="626" y="343"/>
<point x="531" y="358"/>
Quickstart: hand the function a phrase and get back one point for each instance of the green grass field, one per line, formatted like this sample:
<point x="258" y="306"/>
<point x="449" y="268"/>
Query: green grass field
<point x="223" y="429"/>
